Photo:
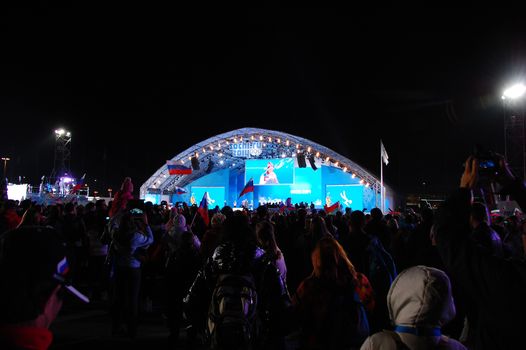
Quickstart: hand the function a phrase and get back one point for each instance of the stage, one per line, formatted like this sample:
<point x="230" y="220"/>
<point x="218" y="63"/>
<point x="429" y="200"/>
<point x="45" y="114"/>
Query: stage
<point x="280" y="165"/>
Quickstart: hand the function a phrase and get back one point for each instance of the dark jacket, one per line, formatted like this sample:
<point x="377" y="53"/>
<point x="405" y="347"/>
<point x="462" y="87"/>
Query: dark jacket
<point x="495" y="288"/>
<point x="488" y="239"/>
<point x="378" y="228"/>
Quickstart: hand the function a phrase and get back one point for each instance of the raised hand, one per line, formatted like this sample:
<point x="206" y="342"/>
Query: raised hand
<point x="470" y="176"/>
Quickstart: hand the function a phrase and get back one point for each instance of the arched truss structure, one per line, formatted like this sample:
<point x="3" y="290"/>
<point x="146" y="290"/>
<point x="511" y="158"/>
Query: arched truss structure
<point x="217" y="153"/>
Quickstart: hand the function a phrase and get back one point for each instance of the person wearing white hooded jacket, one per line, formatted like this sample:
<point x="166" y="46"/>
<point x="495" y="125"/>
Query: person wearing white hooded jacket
<point x="420" y="303"/>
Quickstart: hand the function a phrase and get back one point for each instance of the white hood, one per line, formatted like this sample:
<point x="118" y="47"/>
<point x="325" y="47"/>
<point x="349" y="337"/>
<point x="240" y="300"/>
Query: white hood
<point x="421" y="297"/>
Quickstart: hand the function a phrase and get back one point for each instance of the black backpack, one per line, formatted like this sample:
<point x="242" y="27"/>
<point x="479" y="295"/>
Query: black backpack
<point x="232" y="315"/>
<point x="382" y="268"/>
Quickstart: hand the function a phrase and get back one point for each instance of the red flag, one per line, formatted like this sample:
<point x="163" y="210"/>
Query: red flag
<point x="332" y="208"/>
<point x="203" y="209"/>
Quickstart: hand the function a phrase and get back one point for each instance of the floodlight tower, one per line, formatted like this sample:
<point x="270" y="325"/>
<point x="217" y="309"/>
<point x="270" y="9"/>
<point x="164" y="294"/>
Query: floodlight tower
<point x="62" y="159"/>
<point x="514" y="129"/>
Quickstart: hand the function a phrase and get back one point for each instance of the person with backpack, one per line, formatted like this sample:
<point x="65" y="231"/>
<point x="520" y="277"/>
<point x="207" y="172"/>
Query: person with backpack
<point x="238" y="296"/>
<point x="420" y="303"/>
<point x="326" y="303"/>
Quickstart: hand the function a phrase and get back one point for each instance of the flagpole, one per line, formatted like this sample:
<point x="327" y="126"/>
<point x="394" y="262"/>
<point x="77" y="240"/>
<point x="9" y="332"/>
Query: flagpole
<point x="192" y="224"/>
<point x="381" y="179"/>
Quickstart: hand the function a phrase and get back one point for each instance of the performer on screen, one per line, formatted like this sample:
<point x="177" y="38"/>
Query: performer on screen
<point x="328" y="201"/>
<point x="269" y="176"/>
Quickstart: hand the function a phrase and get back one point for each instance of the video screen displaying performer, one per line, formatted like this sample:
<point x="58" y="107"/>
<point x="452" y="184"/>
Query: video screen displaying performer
<point x="268" y="176"/>
<point x="270" y="171"/>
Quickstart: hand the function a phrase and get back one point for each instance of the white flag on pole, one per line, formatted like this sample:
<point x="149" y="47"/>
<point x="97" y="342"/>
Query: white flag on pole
<point x="383" y="153"/>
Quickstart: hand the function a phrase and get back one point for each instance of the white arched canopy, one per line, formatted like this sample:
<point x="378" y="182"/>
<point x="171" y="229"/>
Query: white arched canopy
<point x="223" y="151"/>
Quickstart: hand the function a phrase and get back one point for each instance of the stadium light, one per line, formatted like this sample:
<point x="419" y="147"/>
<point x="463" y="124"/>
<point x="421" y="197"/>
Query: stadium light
<point x="514" y="92"/>
<point x="61" y="132"/>
<point x="5" y="159"/>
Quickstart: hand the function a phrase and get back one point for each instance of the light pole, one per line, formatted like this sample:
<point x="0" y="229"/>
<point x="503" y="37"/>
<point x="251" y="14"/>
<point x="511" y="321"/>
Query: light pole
<point x="5" y="159"/>
<point x="514" y="128"/>
<point x="62" y="154"/>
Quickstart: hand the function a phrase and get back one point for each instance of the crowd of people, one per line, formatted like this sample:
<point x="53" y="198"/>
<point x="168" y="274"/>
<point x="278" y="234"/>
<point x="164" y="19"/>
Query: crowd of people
<point x="261" y="279"/>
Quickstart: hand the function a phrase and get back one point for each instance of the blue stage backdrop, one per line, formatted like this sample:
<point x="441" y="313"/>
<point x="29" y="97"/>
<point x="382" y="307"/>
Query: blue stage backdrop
<point x="216" y="195"/>
<point x="300" y="184"/>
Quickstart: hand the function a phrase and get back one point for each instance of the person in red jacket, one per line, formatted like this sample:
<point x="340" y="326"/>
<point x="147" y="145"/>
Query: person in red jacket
<point x="122" y="197"/>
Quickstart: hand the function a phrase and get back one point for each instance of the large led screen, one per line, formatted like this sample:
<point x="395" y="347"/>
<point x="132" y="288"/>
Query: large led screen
<point x="349" y="196"/>
<point x="270" y="171"/>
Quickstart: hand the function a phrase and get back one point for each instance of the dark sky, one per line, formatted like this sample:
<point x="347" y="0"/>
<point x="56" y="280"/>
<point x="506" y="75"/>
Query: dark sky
<point x="138" y="85"/>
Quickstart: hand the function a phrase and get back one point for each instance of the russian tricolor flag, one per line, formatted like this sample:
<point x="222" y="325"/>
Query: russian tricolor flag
<point x="332" y="208"/>
<point x="62" y="267"/>
<point x="203" y="209"/>
<point x="177" y="169"/>
<point x="249" y="187"/>
<point x="79" y="185"/>
<point x="180" y="190"/>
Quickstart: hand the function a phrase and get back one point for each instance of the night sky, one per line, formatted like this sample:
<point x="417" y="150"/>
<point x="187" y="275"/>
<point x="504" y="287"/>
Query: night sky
<point x="136" y="86"/>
